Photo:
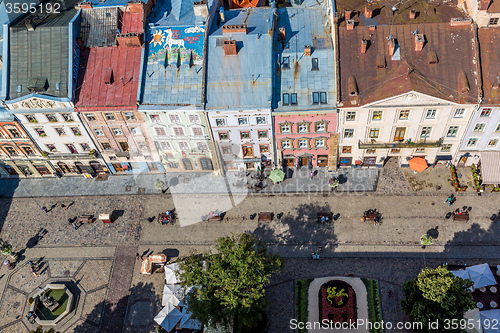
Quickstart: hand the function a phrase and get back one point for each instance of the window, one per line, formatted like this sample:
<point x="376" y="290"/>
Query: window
<point x="72" y="149"/>
<point x="346" y="149"/>
<point x="67" y="117"/>
<point x="51" y="117"/>
<point x="117" y="131"/>
<point x="261" y="120"/>
<point x="19" y="88"/>
<point x="136" y="130"/>
<point x="220" y="122"/>
<point x="264" y="148"/>
<point x="155" y="118"/>
<point x="348" y="133"/>
<point x="201" y="146"/>
<point x="371" y="151"/>
<point x="472" y="142"/>
<point x="446" y="148"/>
<point x="14" y="133"/>
<point x="173" y="165"/>
<point x="31" y="118"/>
<point x="28" y="151"/>
<point x="129" y="115"/>
<point x="76" y="131"/>
<point x="193" y="118"/>
<point x="293" y="99"/>
<point x="262" y="134"/>
<point x="302" y="128"/>
<point x="169" y="155"/>
<point x="60" y="131"/>
<point x="286" y="63"/>
<point x="40" y="132"/>
<point x="302" y="143"/>
<point x="431" y="114"/>
<point x="285" y="128"/>
<point x="350" y="116"/>
<point x="227" y="150"/>
<point x="426" y="132"/>
<point x="322" y="97"/>
<point x="315" y="64"/>
<point x="493" y="21"/>
<point x="11" y="151"/>
<point x="243" y="121"/>
<point x="179" y="131"/>
<point x="404" y="114"/>
<point x="98" y="132"/>
<point x="183" y="145"/>
<point x="174" y="118"/>
<point x="106" y="145"/>
<point x="452" y="131"/>
<point x="320" y="127"/>
<point x="315" y="98"/>
<point x="492" y="143"/>
<point x="109" y="116"/>
<point x="479" y="127"/>
<point x="374" y="132"/>
<point x="395" y="150"/>
<point x="85" y="146"/>
<point x="160" y="131"/>
<point x="498" y="128"/>
<point x="320" y="143"/>
<point x="198" y="131"/>
<point x="165" y="145"/>
<point x="223" y="136"/>
<point x="459" y="113"/>
<point x="377" y="115"/>
<point x="285" y="144"/>
<point x="485" y="112"/>
<point x="51" y="147"/>
<point x="420" y="150"/>
<point x="286" y="99"/>
<point x="245" y="135"/>
<point x="90" y="117"/>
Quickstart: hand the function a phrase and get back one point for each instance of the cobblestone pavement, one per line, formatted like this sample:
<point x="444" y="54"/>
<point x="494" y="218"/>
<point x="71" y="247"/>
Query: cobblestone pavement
<point x="392" y="180"/>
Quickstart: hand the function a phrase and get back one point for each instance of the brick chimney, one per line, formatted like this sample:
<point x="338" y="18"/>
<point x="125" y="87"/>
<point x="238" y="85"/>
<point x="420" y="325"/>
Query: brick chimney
<point x="131" y="39"/>
<point x="282" y="32"/>
<point x="86" y="5"/>
<point x="364" y="45"/>
<point x="413" y="13"/>
<point x="350" y="24"/>
<point x="419" y="42"/>
<point x="108" y="76"/>
<point x="200" y="8"/>
<point x="392" y="46"/>
<point x="307" y="50"/>
<point x="484" y="4"/>
<point x="230" y="47"/>
<point x="372" y="27"/>
<point x="134" y="7"/>
<point x="368" y="10"/>
<point x="348" y="14"/>
<point x="234" y="28"/>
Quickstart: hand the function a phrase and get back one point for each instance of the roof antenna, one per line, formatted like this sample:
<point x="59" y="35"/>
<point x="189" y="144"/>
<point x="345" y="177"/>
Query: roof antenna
<point x="415" y="32"/>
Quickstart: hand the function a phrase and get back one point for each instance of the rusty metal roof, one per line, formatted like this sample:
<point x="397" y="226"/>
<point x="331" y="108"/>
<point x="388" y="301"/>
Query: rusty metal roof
<point x="489" y="45"/>
<point x="452" y="47"/>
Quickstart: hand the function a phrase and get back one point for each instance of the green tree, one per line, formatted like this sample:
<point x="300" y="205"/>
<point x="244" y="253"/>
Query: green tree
<point x="437" y="295"/>
<point x="229" y="284"/>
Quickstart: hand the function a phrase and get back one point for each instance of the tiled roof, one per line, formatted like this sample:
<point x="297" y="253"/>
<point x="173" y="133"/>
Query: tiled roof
<point x="96" y="65"/>
<point x="304" y="26"/>
<point x="453" y="47"/>
<point x="426" y="11"/>
<point x="245" y="79"/>
<point x="489" y="39"/>
<point x="40" y="57"/>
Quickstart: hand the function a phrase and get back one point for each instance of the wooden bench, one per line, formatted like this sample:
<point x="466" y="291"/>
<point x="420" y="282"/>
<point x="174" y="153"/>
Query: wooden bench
<point x="371" y="217"/>
<point x="215" y="218"/>
<point x="460" y="217"/>
<point x="327" y="215"/>
<point x="265" y="217"/>
<point x="84" y="219"/>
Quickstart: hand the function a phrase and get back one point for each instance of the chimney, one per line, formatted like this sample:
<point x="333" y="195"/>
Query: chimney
<point x="131" y="39"/>
<point x="350" y="24"/>
<point x="348" y="14"/>
<point x="134" y="7"/>
<point x="368" y="10"/>
<point x="29" y="25"/>
<point x="282" y="32"/>
<point x="364" y="45"/>
<point x="392" y="46"/>
<point x="463" y="83"/>
<point x="419" y="42"/>
<point x="108" y="76"/>
<point x="86" y="5"/>
<point x="484" y="4"/>
<point x="380" y="61"/>
<point x="200" y="8"/>
<point x="307" y="50"/>
<point x="372" y="27"/>
<point x="413" y="13"/>
<point x="230" y="47"/>
<point x="234" y="28"/>
<point x="461" y="21"/>
<point x="432" y="57"/>
<point x="352" y="86"/>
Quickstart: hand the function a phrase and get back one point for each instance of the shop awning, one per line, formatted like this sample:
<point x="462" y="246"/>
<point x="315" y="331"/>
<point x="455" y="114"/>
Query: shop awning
<point x="490" y="167"/>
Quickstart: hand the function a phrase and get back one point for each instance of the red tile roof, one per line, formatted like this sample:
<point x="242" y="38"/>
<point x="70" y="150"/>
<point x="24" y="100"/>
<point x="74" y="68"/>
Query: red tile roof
<point x="453" y="46"/>
<point x="92" y="90"/>
<point x="489" y="45"/>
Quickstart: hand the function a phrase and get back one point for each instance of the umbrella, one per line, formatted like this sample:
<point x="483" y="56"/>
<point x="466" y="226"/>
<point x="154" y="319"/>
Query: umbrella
<point x="418" y="164"/>
<point x="277" y="176"/>
<point x="462" y="273"/>
<point x="168" y="317"/>
<point x="481" y="275"/>
<point x="170" y="294"/>
<point x="472" y="316"/>
<point x="490" y="320"/>
<point x="171" y="273"/>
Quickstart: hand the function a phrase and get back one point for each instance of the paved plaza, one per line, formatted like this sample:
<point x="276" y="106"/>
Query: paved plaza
<point x="99" y="259"/>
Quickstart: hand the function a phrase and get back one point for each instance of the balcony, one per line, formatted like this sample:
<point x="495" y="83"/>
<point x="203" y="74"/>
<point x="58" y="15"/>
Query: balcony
<point x="79" y="156"/>
<point x="395" y="145"/>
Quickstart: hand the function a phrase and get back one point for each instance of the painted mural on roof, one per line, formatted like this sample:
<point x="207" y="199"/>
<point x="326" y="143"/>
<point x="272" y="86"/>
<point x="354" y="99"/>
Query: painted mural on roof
<point x="176" y="44"/>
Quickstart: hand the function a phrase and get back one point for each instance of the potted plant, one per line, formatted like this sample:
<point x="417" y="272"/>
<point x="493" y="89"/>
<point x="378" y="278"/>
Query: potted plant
<point x="44" y="153"/>
<point x="92" y="152"/>
<point x="426" y="240"/>
<point x="333" y="182"/>
<point x="160" y="185"/>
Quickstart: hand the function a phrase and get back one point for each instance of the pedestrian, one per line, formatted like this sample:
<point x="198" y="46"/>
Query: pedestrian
<point x="138" y="257"/>
<point x="312" y="174"/>
<point x="45" y="209"/>
<point x="33" y="271"/>
<point x="320" y="249"/>
<point x="64" y="206"/>
<point x="74" y="225"/>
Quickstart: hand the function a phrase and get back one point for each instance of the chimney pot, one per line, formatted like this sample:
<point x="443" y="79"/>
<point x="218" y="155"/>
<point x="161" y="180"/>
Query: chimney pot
<point x="307" y="50"/>
<point x="230" y="47"/>
<point x="348" y="14"/>
<point x="29" y="25"/>
<point x="372" y="27"/>
<point x="368" y="10"/>
<point x="419" y="42"/>
<point x="392" y="46"/>
<point x="86" y="5"/>
<point x="364" y="45"/>
<point x="282" y="32"/>
<point x="413" y="13"/>
<point x="350" y="24"/>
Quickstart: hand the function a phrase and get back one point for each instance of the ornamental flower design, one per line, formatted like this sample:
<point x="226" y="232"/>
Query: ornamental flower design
<point x="337" y="302"/>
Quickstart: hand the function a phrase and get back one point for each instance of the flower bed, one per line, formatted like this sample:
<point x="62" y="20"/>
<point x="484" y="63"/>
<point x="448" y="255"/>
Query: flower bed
<point x="477" y="178"/>
<point x="337" y="302"/>
<point x="301" y="301"/>
<point x="454" y="178"/>
<point x="373" y="298"/>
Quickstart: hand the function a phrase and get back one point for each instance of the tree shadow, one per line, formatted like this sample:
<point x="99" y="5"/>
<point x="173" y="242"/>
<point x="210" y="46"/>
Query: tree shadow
<point x="475" y="235"/>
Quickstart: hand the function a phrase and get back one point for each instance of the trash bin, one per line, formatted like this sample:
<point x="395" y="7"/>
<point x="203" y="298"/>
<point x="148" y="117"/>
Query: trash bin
<point x="105" y="218"/>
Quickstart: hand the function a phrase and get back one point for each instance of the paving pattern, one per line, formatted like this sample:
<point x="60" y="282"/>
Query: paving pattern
<point x="392" y="180"/>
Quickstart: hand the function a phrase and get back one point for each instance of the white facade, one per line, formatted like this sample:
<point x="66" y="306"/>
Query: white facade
<point x="488" y="17"/>
<point x="408" y="125"/>
<point x="483" y="134"/>
<point x="244" y="137"/>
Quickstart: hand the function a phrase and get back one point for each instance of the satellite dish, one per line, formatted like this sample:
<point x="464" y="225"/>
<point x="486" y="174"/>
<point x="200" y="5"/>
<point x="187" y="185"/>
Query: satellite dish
<point x="394" y="8"/>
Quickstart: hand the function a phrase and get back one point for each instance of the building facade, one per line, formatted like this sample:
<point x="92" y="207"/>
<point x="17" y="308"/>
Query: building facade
<point x="485" y="13"/>
<point x="171" y="94"/>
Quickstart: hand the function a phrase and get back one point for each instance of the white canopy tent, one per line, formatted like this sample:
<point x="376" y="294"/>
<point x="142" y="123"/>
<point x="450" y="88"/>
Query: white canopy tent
<point x="168" y="317"/>
<point x="170" y="294"/>
<point x="472" y="316"/>
<point x="481" y="275"/>
<point x="490" y="320"/>
<point x="171" y="273"/>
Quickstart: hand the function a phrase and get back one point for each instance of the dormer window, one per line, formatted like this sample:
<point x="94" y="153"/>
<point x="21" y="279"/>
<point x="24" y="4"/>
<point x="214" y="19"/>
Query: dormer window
<point x="286" y="63"/>
<point x="315" y="64"/>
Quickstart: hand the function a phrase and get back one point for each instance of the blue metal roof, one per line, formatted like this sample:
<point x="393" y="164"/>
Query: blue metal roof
<point x="243" y="80"/>
<point x="111" y="3"/>
<point x="304" y="26"/>
<point x="169" y="13"/>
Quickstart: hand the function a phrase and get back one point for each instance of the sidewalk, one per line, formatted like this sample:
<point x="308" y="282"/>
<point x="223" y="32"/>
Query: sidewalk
<point x="299" y="181"/>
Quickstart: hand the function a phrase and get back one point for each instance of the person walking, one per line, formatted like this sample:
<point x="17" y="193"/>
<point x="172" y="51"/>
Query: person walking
<point x="64" y="206"/>
<point x="45" y="209"/>
<point x="312" y="174"/>
<point x="33" y="271"/>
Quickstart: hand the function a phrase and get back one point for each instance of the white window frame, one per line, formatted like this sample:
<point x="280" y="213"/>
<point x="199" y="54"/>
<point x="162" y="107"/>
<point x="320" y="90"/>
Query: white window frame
<point x="430" y="114"/>
<point x="242" y="121"/>
<point x="472" y="142"/>
<point x="496" y="142"/>
<point x="220" y="122"/>
<point x="479" y="127"/>
<point x="350" y="116"/>
<point x="302" y="143"/>
<point x="452" y="135"/>
<point x="351" y="132"/>
<point x="459" y="113"/>
<point x="425" y="133"/>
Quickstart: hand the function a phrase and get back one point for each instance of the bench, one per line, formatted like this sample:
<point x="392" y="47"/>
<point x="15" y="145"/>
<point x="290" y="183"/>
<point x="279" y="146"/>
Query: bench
<point x="265" y="217"/>
<point x="84" y="219"/>
<point x="327" y="215"/>
<point x="371" y="217"/>
<point x="461" y="217"/>
<point x="215" y="218"/>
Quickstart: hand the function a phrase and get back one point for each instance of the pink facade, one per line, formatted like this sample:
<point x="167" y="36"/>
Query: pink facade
<point x="304" y="139"/>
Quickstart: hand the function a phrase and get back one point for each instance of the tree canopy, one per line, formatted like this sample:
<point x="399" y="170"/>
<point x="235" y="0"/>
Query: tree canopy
<point x="230" y="283"/>
<point x="437" y="294"/>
